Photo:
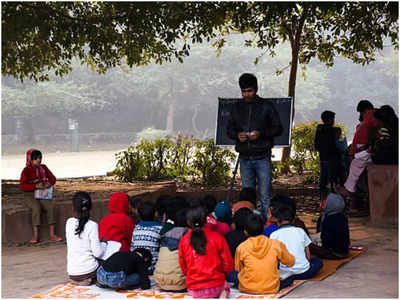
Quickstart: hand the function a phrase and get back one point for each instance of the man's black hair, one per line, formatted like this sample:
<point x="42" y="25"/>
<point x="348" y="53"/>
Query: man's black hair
<point x="145" y="254"/>
<point x="36" y="154"/>
<point x="283" y="212"/>
<point x="146" y="211"/>
<point x="327" y="115"/>
<point x="248" y="194"/>
<point x="248" y="80"/>
<point x="240" y="218"/>
<point x="209" y="203"/>
<point x="254" y="225"/>
<point x="364" y="105"/>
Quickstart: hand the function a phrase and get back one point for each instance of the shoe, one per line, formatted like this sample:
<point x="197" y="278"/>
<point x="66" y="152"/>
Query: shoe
<point x="103" y="286"/>
<point x="34" y="241"/>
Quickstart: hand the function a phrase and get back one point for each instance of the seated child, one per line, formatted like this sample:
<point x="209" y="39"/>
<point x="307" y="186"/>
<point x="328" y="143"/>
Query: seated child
<point x="36" y="176"/>
<point x="223" y="212"/>
<point x="296" y="241"/>
<point x="174" y="204"/>
<point x="147" y="232"/>
<point x="236" y="237"/>
<point x="168" y="274"/>
<point x="161" y="205"/>
<point x="247" y="198"/>
<point x="209" y="203"/>
<point x="256" y="260"/>
<point x="134" y="202"/>
<point x="204" y="258"/>
<point x="272" y="222"/>
<point x="125" y="270"/>
<point x="335" y="234"/>
<point x="117" y="225"/>
<point x="83" y="245"/>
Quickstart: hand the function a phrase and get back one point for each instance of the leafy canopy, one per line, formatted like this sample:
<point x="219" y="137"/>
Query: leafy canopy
<point x="40" y="36"/>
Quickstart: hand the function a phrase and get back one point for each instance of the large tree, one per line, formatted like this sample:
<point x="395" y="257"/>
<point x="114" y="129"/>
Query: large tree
<point x="354" y="30"/>
<point x="39" y="36"/>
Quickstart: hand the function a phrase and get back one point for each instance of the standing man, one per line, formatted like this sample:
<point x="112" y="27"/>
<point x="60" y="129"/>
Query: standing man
<point x="253" y="125"/>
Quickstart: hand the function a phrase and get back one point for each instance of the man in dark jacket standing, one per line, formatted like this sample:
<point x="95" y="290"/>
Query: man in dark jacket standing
<point x="253" y="125"/>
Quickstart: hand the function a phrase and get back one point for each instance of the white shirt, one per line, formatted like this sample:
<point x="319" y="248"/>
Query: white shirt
<point x="81" y="251"/>
<point x="295" y="240"/>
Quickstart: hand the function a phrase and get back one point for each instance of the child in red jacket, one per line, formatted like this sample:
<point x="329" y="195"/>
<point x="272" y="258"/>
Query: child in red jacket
<point x="118" y="225"/>
<point x="205" y="258"/>
<point x="36" y="176"/>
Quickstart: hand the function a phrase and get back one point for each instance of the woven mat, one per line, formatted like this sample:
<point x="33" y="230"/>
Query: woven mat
<point x="68" y="290"/>
<point x="331" y="265"/>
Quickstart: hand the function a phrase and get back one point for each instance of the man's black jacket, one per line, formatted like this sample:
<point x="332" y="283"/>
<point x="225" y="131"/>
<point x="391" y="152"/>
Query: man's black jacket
<point x="258" y="115"/>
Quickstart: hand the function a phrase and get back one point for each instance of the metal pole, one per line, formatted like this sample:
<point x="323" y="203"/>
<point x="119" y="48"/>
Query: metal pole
<point x="233" y="180"/>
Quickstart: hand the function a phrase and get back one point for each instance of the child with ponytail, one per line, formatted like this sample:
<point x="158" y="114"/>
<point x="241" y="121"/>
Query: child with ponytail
<point x="83" y="245"/>
<point x="205" y="258"/>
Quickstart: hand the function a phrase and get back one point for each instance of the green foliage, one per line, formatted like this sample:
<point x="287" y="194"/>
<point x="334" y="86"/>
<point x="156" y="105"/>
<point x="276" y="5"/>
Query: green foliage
<point x="40" y="36"/>
<point x="193" y="160"/>
<point x="211" y="163"/>
<point x="305" y="159"/>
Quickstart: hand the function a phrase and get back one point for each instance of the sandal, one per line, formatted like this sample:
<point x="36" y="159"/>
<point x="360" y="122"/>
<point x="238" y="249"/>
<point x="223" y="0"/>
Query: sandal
<point x="56" y="239"/>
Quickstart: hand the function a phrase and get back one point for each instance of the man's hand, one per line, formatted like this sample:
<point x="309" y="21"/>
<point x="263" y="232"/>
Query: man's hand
<point x="254" y="135"/>
<point x="242" y="136"/>
<point x="47" y="185"/>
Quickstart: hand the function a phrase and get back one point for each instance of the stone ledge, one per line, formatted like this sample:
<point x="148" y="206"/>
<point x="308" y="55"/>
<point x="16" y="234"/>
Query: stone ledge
<point x="383" y="184"/>
<point x="16" y="217"/>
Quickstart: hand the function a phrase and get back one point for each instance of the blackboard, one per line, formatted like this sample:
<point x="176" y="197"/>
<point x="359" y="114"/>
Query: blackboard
<point x="282" y="105"/>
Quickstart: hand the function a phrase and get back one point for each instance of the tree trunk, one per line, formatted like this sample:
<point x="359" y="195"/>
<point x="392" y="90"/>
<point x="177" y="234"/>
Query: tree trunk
<point x="295" y="38"/>
<point x="171" y="108"/>
<point x="292" y="93"/>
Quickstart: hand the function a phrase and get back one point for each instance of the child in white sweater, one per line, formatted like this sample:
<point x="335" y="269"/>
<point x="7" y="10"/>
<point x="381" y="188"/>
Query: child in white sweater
<point x="83" y="245"/>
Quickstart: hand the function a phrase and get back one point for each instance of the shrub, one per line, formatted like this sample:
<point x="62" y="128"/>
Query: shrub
<point x="186" y="159"/>
<point x="212" y="164"/>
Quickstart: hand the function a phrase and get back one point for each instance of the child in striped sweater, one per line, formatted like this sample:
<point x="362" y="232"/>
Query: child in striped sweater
<point x="147" y="233"/>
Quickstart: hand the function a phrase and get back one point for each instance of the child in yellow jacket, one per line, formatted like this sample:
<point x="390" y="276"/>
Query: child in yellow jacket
<point x="257" y="258"/>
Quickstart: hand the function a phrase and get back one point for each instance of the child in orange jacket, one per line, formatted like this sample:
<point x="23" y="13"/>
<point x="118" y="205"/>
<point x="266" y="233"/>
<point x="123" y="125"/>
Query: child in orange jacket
<point x="257" y="258"/>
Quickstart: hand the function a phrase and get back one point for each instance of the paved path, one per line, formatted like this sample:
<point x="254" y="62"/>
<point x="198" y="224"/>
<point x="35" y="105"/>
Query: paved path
<point x="72" y="164"/>
<point x="64" y="164"/>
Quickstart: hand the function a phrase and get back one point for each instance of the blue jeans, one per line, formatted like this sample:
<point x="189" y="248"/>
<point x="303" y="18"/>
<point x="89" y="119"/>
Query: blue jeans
<point x="315" y="266"/>
<point x="117" y="280"/>
<point x="259" y="169"/>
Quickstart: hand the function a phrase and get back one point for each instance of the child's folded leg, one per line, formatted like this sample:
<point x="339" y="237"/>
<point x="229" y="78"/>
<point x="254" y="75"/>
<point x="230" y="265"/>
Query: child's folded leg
<point x="284" y="283"/>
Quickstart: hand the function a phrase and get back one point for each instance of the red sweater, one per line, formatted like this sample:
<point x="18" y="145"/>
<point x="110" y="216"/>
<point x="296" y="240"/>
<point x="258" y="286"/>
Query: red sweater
<point x="209" y="270"/>
<point x="117" y="226"/>
<point x="29" y="174"/>
<point x="362" y="131"/>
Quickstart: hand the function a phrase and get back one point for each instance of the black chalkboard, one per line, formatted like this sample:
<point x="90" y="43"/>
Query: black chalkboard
<point x="282" y="105"/>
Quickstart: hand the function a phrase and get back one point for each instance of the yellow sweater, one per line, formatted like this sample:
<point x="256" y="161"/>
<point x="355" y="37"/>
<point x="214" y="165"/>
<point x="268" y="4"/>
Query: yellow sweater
<point x="257" y="260"/>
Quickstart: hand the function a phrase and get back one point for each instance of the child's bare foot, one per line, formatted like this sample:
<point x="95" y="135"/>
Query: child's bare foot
<point x="55" y="238"/>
